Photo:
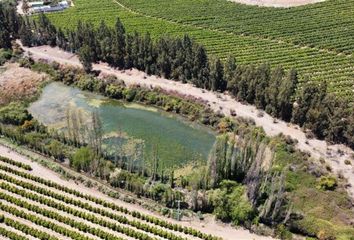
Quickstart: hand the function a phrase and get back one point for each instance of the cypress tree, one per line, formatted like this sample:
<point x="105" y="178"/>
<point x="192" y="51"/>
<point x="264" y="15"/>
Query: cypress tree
<point x="262" y="76"/>
<point x="118" y="45"/>
<point x="5" y="40"/>
<point x="286" y="93"/>
<point x="230" y="68"/>
<point x="217" y="81"/>
<point x="86" y="58"/>
<point x="201" y="68"/>
<point x="26" y="35"/>
<point x="104" y="37"/>
<point x="189" y="57"/>
<point x="272" y="91"/>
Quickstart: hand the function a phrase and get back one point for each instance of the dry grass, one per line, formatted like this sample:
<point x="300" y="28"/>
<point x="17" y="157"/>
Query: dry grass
<point x="18" y="83"/>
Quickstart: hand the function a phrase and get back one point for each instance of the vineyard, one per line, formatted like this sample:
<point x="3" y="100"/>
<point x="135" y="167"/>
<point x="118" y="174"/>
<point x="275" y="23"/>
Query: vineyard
<point x="312" y="38"/>
<point x="33" y="207"/>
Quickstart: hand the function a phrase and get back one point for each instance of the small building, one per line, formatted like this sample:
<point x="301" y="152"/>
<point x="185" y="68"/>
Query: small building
<point x="36" y="4"/>
<point x="44" y="8"/>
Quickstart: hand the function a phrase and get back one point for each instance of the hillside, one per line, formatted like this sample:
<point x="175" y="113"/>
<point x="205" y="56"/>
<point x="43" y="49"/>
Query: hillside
<point x="310" y="38"/>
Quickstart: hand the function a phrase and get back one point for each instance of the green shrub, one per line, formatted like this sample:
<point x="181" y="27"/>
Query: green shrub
<point x="5" y="55"/>
<point x="327" y="183"/>
<point x="15" y="113"/>
<point x="283" y="233"/>
<point x="224" y="199"/>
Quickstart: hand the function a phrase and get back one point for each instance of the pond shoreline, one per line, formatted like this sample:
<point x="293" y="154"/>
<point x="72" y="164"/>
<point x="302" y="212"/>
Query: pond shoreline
<point x="179" y="141"/>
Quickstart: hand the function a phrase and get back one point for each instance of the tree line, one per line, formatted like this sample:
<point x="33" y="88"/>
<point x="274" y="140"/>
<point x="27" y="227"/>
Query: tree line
<point x="271" y="89"/>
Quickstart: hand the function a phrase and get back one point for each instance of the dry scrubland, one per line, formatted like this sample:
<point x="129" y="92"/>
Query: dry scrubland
<point x="17" y="82"/>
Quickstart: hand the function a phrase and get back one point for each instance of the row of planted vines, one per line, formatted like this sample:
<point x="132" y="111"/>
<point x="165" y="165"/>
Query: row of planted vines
<point x="287" y="37"/>
<point x="56" y="211"/>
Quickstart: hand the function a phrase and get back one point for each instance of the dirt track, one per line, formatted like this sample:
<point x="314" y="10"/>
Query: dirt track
<point x="277" y="3"/>
<point x="335" y="155"/>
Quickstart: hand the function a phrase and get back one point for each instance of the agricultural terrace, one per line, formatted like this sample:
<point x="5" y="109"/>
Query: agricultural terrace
<point x="34" y="207"/>
<point x="311" y="38"/>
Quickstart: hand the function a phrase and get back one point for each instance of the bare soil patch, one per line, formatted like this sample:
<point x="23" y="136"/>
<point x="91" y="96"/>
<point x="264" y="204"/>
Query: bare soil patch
<point x="277" y="3"/>
<point x="18" y="83"/>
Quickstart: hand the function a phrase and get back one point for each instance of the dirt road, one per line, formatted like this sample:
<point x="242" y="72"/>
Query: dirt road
<point x="334" y="155"/>
<point x="277" y="3"/>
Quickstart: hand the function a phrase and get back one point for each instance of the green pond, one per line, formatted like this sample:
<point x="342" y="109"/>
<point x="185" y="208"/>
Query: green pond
<point x="176" y="141"/>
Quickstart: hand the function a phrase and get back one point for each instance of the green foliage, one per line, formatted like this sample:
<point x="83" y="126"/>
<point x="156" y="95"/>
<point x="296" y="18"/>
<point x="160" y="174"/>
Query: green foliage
<point x="14" y="113"/>
<point x="327" y="183"/>
<point x="5" y="55"/>
<point x="237" y="31"/>
<point x="91" y="212"/>
<point x="15" y="163"/>
<point x="86" y="58"/>
<point x="82" y="158"/>
<point x="231" y="203"/>
<point x="283" y="233"/>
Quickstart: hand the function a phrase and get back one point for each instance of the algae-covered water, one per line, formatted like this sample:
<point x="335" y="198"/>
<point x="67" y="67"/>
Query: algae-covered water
<point x="178" y="141"/>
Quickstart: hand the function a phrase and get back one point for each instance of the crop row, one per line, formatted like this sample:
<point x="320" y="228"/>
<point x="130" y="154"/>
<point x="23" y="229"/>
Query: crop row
<point x="16" y="163"/>
<point x="221" y="40"/>
<point x="308" y="29"/>
<point x="28" y="230"/>
<point x="11" y="235"/>
<point x="87" y="216"/>
<point x="136" y="214"/>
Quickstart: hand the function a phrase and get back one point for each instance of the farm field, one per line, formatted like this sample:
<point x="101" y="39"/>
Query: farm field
<point x="36" y="208"/>
<point x="185" y="120"/>
<point x="310" y="38"/>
